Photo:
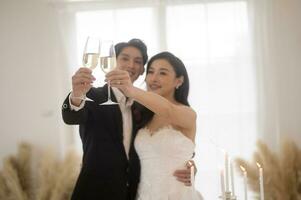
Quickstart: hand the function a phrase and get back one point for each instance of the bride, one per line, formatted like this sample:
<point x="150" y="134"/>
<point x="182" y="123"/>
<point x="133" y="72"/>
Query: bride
<point x="166" y="140"/>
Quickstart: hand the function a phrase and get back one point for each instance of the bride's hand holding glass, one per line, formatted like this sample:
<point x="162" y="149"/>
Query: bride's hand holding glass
<point x="121" y="80"/>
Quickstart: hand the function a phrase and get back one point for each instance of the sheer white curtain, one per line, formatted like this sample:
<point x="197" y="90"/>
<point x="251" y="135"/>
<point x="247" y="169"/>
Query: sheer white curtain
<point x="213" y="38"/>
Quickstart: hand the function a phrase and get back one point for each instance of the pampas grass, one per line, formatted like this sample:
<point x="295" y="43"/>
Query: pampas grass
<point x="282" y="180"/>
<point x="3" y="188"/>
<point x="47" y="175"/>
<point x="50" y="179"/>
<point x="12" y="181"/>
<point x="24" y="160"/>
<point x="68" y="174"/>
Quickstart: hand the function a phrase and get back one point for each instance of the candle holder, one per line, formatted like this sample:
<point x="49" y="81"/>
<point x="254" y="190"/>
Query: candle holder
<point x="228" y="196"/>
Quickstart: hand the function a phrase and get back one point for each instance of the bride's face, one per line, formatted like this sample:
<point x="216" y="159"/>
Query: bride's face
<point x="161" y="78"/>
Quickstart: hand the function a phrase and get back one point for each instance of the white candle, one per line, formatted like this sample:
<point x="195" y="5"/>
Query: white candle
<point x="232" y="178"/>
<point x="222" y="184"/>
<point x="261" y="181"/>
<point x="192" y="176"/>
<point x="227" y="171"/>
<point x="245" y="182"/>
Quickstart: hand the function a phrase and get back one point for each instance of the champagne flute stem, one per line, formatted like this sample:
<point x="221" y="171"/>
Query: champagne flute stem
<point x="109" y="91"/>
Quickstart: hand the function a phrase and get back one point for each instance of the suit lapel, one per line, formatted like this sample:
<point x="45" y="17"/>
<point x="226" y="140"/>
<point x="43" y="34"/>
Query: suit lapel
<point x="100" y="95"/>
<point x="118" y="135"/>
<point x="134" y="129"/>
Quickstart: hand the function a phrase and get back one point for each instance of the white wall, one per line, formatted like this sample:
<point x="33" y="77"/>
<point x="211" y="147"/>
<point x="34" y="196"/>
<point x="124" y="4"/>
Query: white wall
<point x="32" y="76"/>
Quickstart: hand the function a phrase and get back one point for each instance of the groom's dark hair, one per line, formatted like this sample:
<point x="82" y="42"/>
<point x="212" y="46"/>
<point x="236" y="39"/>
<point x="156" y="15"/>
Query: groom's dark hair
<point x="137" y="43"/>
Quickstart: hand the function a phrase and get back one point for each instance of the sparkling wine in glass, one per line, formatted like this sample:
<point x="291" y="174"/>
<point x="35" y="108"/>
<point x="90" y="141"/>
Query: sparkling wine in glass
<point x="107" y="63"/>
<point x="90" y="60"/>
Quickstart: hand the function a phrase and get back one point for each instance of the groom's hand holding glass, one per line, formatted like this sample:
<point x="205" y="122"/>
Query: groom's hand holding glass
<point x="82" y="82"/>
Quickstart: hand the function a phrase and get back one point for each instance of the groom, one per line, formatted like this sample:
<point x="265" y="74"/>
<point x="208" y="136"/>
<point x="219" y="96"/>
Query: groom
<point x="110" y="166"/>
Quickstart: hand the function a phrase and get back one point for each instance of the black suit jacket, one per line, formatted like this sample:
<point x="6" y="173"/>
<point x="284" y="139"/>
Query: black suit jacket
<point x="106" y="172"/>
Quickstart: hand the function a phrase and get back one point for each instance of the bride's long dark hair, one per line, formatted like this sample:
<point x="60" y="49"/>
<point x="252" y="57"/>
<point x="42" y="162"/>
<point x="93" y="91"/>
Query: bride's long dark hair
<point x="181" y="93"/>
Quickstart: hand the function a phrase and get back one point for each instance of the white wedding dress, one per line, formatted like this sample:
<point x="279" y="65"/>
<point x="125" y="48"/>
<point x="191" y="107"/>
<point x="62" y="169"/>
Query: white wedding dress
<point x="160" y="155"/>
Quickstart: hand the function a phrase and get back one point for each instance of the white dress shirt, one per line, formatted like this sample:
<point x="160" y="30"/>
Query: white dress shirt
<point x="125" y="107"/>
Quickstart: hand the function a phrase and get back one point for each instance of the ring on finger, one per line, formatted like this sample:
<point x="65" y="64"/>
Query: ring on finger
<point x="189" y="163"/>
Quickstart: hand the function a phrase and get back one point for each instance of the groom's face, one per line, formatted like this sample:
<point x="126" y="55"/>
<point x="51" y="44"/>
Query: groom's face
<point x="130" y="59"/>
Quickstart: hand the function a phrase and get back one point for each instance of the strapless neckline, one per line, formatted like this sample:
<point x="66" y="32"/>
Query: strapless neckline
<point x="162" y="130"/>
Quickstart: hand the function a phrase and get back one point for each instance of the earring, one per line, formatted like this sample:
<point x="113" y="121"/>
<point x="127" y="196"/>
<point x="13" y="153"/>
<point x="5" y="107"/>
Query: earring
<point x="177" y="87"/>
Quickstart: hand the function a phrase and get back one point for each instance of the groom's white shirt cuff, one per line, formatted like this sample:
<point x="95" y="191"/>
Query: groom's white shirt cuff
<point x="73" y="107"/>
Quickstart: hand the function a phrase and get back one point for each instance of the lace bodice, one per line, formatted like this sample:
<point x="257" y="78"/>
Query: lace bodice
<point x="161" y="153"/>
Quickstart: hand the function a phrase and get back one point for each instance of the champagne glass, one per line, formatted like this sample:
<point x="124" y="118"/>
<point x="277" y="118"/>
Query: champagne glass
<point x="107" y="63"/>
<point x="91" y="56"/>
